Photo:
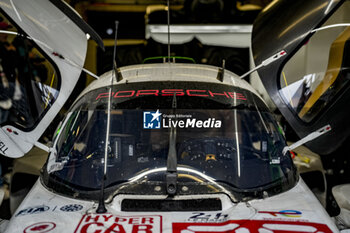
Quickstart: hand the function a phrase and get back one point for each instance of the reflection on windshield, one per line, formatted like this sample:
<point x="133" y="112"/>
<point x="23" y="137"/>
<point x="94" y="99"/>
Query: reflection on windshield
<point x="240" y="148"/>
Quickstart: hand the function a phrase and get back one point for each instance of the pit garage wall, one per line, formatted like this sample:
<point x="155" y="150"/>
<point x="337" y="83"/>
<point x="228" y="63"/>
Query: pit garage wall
<point x="306" y="61"/>
<point x="309" y="59"/>
<point x="228" y="35"/>
<point x="236" y="36"/>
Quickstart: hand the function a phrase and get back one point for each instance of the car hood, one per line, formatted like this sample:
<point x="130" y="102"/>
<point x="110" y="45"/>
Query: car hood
<point x="294" y="211"/>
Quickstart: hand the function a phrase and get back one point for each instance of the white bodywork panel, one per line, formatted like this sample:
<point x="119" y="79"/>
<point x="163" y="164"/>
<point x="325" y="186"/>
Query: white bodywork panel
<point x="43" y="22"/>
<point x="296" y="210"/>
<point x="170" y="72"/>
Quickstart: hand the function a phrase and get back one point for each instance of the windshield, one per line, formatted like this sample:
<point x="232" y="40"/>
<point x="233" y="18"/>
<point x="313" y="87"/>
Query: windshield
<point x="237" y="146"/>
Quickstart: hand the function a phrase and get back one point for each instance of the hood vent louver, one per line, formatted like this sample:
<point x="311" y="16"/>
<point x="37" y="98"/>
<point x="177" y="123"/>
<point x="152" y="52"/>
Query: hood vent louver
<point x="144" y="205"/>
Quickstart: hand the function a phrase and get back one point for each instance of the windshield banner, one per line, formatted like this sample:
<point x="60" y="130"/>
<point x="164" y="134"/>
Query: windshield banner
<point x="157" y="120"/>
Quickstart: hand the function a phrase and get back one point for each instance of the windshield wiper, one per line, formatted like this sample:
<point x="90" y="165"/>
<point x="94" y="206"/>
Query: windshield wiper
<point x="171" y="172"/>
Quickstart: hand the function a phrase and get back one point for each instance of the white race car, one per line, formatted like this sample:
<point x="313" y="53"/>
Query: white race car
<point x="161" y="147"/>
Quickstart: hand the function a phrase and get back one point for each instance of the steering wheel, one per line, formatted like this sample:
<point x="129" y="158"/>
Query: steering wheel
<point x="209" y="149"/>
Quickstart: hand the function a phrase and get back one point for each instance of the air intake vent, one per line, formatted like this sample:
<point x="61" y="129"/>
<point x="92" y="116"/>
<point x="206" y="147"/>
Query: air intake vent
<point x="212" y="204"/>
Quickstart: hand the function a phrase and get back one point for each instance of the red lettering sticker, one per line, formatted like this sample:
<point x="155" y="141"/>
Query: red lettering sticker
<point x="251" y="226"/>
<point x="196" y="93"/>
<point x="109" y="223"/>
<point x="171" y="92"/>
<point x="147" y="92"/>
<point x="212" y="94"/>
<point x="236" y="95"/>
<point x="103" y="95"/>
<point x="40" y="227"/>
<point x="124" y="94"/>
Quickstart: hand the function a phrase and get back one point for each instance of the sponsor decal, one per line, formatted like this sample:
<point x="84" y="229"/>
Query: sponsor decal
<point x="250" y="226"/>
<point x="33" y="210"/>
<point x="151" y="120"/>
<point x="107" y="223"/>
<point x="205" y="217"/>
<point x="157" y="120"/>
<point x="171" y="92"/>
<point x="3" y="148"/>
<point x="71" y="208"/>
<point x="191" y="123"/>
<point x="40" y="227"/>
<point x="44" y="208"/>
<point x="285" y="213"/>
